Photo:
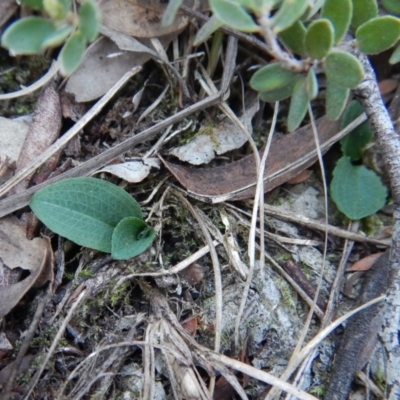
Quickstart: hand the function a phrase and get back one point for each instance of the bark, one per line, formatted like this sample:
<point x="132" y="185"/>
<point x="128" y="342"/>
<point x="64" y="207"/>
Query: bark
<point x="368" y="94"/>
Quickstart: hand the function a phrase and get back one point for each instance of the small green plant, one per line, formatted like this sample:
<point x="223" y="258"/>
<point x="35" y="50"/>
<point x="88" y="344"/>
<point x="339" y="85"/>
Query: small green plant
<point x="96" y="214"/>
<point x="307" y="38"/>
<point x="34" y="34"/>
<point x="357" y="191"/>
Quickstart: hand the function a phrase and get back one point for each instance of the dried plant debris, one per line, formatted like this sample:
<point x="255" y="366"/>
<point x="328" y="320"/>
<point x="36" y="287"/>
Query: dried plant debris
<point x="19" y="254"/>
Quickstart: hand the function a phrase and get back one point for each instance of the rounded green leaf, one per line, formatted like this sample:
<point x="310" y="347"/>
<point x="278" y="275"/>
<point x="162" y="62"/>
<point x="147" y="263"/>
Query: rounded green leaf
<point x="392" y="6"/>
<point x="279" y="94"/>
<point x="233" y="15"/>
<point x="355" y="141"/>
<point x="357" y="191"/>
<point x="84" y="210"/>
<point x="343" y="69"/>
<point x="89" y="20"/>
<point x="72" y="53"/>
<point x="57" y="37"/>
<point x="271" y="77"/>
<point x="289" y="12"/>
<point x="131" y="237"/>
<point x="319" y="38"/>
<point x="339" y="12"/>
<point x="34" y="4"/>
<point x="57" y="9"/>
<point x="311" y="84"/>
<point x="378" y="34"/>
<point x="26" y="36"/>
<point x="395" y="57"/>
<point x="363" y="11"/>
<point x="298" y="104"/>
<point x="293" y="38"/>
<point x="336" y="99"/>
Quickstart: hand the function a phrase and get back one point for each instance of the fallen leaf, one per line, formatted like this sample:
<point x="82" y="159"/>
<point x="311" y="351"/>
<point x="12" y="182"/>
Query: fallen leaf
<point x="12" y="137"/>
<point x="301" y="177"/>
<point x="226" y="136"/>
<point x="236" y="181"/>
<point x="387" y="86"/>
<point x="19" y="253"/>
<point x="131" y="171"/>
<point x="141" y="18"/>
<point x="365" y="263"/>
<point x="106" y="61"/>
<point x="43" y="131"/>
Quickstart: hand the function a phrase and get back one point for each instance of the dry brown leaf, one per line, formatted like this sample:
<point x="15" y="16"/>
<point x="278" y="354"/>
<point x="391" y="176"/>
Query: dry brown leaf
<point x="12" y="137"/>
<point x="140" y="18"/>
<point x="18" y="253"/>
<point x="43" y="131"/>
<point x="102" y="67"/>
<point x="365" y="263"/>
<point x="387" y="86"/>
<point x="287" y="157"/>
<point x="301" y="177"/>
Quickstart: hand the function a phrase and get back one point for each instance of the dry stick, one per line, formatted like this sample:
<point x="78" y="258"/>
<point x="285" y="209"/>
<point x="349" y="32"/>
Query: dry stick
<point x="286" y="215"/>
<point x="217" y="279"/>
<point x="252" y="233"/>
<point x="369" y="96"/>
<point x="53" y="346"/>
<point x="18" y="201"/>
<point x="6" y="392"/>
<point x="60" y="143"/>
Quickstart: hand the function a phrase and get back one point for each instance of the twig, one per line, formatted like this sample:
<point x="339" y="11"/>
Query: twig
<point x="370" y="98"/>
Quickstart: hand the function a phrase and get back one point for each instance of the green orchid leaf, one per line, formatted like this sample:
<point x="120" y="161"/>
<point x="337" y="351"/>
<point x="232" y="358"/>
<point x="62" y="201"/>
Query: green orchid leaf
<point x="319" y="38"/>
<point x="298" y="104"/>
<point x="294" y="37"/>
<point x="311" y="84"/>
<point x="343" y="69"/>
<point x="84" y="210"/>
<point x="378" y="34"/>
<point x="354" y="142"/>
<point x="233" y="15"/>
<point x="363" y="11"/>
<point x="57" y="37"/>
<point x="392" y="6"/>
<point x="131" y="237"/>
<point x="357" y="191"/>
<point x="26" y="36"/>
<point x="339" y="12"/>
<point x="336" y="100"/>
<point x="72" y="53"/>
<point x="395" y="57"/>
<point x="89" y="20"/>
<point x="212" y="25"/>
<point x="271" y="77"/>
<point x="288" y="13"/>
